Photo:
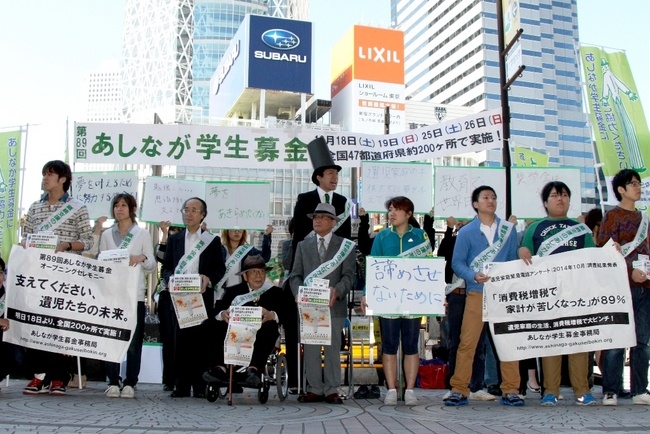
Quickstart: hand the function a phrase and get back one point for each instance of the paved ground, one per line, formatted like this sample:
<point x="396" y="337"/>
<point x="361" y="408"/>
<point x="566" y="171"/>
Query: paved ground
<point x="89" y="411"/>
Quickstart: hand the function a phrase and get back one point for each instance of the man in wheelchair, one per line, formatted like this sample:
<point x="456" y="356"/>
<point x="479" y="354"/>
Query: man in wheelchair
<point x="255" y="290"/>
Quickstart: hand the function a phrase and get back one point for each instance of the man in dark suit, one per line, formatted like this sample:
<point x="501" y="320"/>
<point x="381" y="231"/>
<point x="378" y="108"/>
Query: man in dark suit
<point x="326" y="178"/>
<point x="325" y="256"/>
<point x="190" y="342"/>
<point x="263" y="294"/>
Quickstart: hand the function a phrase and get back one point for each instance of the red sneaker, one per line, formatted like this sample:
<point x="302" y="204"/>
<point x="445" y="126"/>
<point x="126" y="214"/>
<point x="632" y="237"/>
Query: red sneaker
<point x="35" y="387"/>
<point x="57" y="388"/>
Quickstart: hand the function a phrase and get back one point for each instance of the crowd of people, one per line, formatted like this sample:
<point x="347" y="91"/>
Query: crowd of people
<point x="234" y="273"/>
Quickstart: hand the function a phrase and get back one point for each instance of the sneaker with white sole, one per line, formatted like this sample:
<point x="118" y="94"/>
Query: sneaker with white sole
<point x="113" y="392"/>
<point x="127" y="392"/>
<point x="481" y="395"/>
<point x="391" y="397"/>
<point x="456" y="399"/>
<point x="36" y="387"/>
<point x="610" y="399"/>
<point x="641" y="399"/>
<point x="57" y="388"/>
<point x="548" y="400"/>
<point x="410" y="398"/>
<point x="586" y="399"/>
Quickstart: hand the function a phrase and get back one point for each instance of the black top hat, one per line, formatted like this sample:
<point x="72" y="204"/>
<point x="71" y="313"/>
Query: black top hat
<point x="321" y="158"/>
<point x="253" y="262"/>
<point x="324" y="209"/>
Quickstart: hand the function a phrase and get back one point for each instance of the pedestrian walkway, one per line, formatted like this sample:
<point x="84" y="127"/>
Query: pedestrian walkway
<point x="90" y="411"/>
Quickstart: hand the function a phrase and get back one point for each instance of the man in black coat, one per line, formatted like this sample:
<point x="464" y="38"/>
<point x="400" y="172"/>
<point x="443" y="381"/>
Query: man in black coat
<point x="189" y="343"/>
<point x="262" y="294"/>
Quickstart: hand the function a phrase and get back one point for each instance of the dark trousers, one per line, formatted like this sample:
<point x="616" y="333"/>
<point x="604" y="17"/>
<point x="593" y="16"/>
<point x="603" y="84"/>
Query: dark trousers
<point x="133" y="355"/>
<point x="54" y="365"/>
<point x="291" y="336"/>
<point x="168" y="325"/>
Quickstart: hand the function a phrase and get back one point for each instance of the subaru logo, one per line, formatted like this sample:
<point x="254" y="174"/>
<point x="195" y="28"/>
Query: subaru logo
<point x="280" y="39"/>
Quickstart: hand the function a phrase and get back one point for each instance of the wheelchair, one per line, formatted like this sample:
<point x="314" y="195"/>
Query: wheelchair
<point x="275" y="374"/>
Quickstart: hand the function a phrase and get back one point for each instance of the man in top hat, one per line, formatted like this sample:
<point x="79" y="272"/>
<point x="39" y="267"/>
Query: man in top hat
<point x="326" y="178"/>
<point x="325" y="256"/>
<point x="255" y="290"/>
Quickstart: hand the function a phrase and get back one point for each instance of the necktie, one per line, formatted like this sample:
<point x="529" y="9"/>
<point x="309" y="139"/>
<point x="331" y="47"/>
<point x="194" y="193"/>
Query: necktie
<point x="327" y="198"/>
<point x="321" y="248"/>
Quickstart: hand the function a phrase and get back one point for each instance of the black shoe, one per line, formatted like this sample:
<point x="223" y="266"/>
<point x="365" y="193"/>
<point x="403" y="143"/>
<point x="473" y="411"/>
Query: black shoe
<point x="494" y="390"/>
<point x="374" y="392"/>
<point x="253" y="379"/>
<point x="179" y="394"/>
<point x="199" y="395"/>
<point x="361" y="393"/>
<point x="624" y="394"/>
<point x="168" y="388"/>
<point x="217" y="374"/>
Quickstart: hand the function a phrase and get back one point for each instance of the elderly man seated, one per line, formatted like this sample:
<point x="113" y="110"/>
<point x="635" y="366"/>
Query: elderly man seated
<point x="269" y="298"/>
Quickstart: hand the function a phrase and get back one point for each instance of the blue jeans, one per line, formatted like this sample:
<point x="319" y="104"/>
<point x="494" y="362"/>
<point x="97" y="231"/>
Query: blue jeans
<point x="455" y="310"/>
<point x="133" y="355"/>
<point x="639" y="355"/>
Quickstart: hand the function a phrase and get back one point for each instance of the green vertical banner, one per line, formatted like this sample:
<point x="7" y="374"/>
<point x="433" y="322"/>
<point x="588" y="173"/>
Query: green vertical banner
<point x="525" y="157"/>
<point x="619" y="125"/>
<point x="9" y="183"/>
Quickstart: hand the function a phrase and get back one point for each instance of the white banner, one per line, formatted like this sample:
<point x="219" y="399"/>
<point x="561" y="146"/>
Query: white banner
<point x="96" y="190"/>
<point x="238" y="204"/>
<point x="566" y="303"/>
<point x="405" y="286"/>
<point x="267" y="148"/>
<point x="164" y="198"/>
<point x="70" y="304"/>
<point x="382" y="181"/>
<point x="245" y="321"/>
<point x="314" y="313"/>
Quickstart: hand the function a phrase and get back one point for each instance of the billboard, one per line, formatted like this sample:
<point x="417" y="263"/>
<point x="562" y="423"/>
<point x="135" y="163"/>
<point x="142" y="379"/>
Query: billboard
<point x="367" y="74"/>
<point x="265" y="53"/>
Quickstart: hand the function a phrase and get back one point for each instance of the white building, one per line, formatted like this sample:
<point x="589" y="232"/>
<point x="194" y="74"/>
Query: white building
<point x="451" y="57"/>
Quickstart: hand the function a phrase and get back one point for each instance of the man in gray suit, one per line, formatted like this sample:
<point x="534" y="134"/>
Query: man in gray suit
<point x="325" y="256"/>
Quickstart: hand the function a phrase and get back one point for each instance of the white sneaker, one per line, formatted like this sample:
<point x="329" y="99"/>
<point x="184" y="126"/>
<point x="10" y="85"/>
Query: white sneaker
<point x="127" y="392"/>
<point x="446" y="395"/>
<point x="410" y="398"/>
<point x="481" y="395"/>
<point x="610" y="399"/>
<point x="113" y="391"/>
<point x="391" y="397"/>
<point x="641" y="399"/>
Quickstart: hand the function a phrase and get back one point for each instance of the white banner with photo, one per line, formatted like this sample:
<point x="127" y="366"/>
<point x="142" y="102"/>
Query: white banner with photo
<point x="314" y="314"/>
<point x="405" y="286"/>
<point x="69" y="304"/>
<point x="275" y="148"/>
<point x="244" y="323"/>
<point x="190" y="309"/>
<point x="566" y="303"/>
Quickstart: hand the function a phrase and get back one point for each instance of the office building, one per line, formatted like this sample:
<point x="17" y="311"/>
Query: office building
<point x="451" y="57"/>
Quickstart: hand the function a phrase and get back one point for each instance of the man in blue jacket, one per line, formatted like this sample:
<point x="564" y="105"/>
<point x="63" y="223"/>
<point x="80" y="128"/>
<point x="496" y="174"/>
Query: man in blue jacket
<point x="485" y="239"/>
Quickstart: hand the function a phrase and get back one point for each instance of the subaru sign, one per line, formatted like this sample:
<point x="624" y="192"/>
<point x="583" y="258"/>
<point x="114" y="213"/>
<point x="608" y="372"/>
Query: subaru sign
<point x="280" y="54"/>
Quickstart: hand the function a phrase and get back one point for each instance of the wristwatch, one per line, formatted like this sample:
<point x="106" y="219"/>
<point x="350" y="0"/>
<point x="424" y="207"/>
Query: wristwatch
<point x="69" y="247"/>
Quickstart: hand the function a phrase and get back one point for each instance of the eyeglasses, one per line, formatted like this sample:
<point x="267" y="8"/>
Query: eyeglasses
<point x="634" y="184"/>
<point x="191" y="211"/>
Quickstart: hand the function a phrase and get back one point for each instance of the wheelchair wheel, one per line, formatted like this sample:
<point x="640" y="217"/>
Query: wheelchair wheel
<point x="281" y="377"/>
<point x="263" y="394"/>
<point x="211" y="393"/>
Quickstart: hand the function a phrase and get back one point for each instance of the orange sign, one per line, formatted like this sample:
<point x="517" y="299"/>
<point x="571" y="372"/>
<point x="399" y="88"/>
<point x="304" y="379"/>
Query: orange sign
<point x="378" y="54"/>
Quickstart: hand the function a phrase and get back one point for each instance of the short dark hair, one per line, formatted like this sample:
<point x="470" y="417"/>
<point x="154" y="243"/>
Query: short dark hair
<point x="61" y="169"/>
<point x="559" y="187"/>
<point x="621" y="179"/>
<point x="130" y="202"/>
<point x="400" y="202"/>
<point x="477" y="191"/>
<point x="203" y="205"/>
<point x="290" y="226"/>
<point x="594" y="218"/>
